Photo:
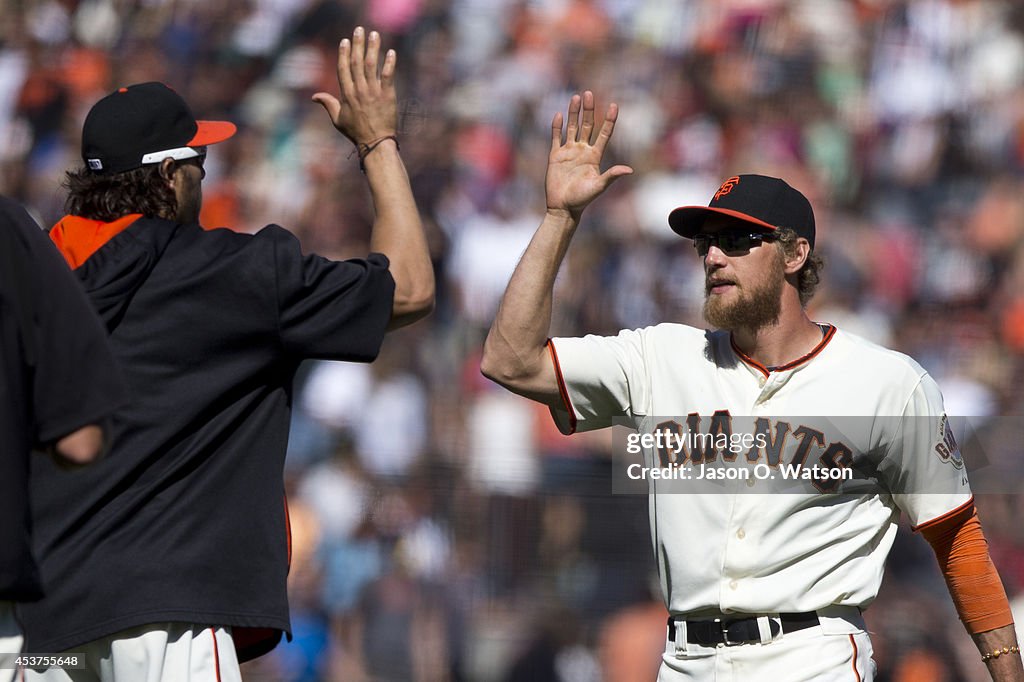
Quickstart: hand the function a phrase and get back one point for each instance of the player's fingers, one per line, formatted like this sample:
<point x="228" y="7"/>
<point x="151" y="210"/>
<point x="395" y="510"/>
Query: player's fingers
<point x="588" y="117"/>
<point x="372" y="52"/>
<point x="387" y="74"/>
<point x="345" y="69"/>
<point x="607" y="128"/>
<point x="572" y="122"/>
<point x="358" y="55"/>
<point x="556" y="131"/>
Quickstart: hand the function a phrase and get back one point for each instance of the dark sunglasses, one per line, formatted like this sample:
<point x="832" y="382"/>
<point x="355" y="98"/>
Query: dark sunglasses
<point x="196" y="161"/>
<point x="730" y="242"/>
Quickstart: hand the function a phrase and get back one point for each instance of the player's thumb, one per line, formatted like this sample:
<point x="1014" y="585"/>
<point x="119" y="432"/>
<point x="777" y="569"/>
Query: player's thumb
<point x="614" y="173"/>
<point x="328" y="102"/>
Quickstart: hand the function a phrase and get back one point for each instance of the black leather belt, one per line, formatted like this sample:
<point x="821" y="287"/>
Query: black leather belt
<point x="734" y="631"/>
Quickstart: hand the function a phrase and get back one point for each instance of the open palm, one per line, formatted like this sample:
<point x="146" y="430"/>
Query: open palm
<point x="574" y="176"/>
<point x="367" y="109"/>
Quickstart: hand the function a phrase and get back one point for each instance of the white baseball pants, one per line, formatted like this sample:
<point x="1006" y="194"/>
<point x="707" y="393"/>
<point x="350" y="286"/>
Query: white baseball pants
<point x="11" y="640"/>
<point x="162" y="652"/>
<point x="830" y="652"/>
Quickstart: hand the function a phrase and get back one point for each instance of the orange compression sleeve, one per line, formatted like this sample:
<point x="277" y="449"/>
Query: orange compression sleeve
<point x="973" y="582"/>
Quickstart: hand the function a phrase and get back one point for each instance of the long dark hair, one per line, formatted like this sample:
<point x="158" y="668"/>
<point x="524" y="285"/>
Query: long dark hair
<point x="108" y="197"/>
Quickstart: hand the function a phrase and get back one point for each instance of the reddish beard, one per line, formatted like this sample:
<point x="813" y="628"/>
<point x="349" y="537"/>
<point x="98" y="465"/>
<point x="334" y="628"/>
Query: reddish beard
<point x="756" y="305"/>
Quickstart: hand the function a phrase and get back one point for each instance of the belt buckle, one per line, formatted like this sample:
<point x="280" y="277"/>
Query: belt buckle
<point x="723" y="625"/>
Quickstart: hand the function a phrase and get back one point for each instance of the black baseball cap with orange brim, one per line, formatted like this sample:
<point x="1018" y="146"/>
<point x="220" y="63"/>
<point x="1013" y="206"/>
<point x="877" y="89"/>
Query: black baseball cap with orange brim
<point x="143" y="124"/>
<point x="763" y="202"/>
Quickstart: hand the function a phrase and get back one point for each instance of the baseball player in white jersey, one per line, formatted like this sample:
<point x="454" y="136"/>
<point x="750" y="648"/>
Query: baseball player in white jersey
<point x="763" y="582"/>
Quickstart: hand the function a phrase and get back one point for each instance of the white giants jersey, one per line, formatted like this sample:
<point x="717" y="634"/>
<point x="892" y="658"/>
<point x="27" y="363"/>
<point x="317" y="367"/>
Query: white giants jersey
<point x="747" y="548"/>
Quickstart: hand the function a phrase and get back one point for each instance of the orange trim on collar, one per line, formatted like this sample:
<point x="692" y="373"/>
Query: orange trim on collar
<point x="78" y="238"/>
<point x="830" y="331"/>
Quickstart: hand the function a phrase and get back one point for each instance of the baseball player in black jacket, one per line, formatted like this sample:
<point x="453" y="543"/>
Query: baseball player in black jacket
<point x="58" y="384"/>
<point x="172" y="554"/>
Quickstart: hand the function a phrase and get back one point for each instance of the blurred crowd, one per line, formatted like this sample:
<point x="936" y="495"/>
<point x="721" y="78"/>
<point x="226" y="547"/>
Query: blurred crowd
<point x="442" y="528"/>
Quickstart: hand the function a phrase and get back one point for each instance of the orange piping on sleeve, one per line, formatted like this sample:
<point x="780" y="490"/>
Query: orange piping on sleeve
<point x="921" y="527"/>
<point x="562" y="390"/>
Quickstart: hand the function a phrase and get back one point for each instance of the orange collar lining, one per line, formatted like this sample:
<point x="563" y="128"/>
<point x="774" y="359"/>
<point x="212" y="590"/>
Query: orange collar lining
<point x="78" y="238"/>
<point x="830" y="331"/>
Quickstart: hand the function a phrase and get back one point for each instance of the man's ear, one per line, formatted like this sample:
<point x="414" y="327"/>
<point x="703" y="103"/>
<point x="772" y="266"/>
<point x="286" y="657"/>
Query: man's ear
<point x="796" y="260"/>
<point x="167" y="167"/>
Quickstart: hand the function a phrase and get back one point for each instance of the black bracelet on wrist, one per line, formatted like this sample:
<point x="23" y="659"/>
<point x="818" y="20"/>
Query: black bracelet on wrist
<point x="364" y="148"/>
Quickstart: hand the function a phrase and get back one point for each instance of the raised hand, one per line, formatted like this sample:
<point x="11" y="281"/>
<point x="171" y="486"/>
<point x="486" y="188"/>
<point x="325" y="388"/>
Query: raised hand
<point x="367" y="110"/>
<point x="574" y="176"/>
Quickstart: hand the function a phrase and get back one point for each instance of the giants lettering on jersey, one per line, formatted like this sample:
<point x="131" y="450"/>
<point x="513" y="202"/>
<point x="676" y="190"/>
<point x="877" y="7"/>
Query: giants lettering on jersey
<point x="770" y="442"/>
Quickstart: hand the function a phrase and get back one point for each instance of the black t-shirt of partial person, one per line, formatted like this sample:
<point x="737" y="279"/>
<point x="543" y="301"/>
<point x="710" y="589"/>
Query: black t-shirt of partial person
<point x="185" y="520"/>
<point x="56" y="375"/>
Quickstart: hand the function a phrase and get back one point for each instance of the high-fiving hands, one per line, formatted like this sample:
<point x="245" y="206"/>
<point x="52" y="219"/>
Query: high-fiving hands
<point x="574" y="176"/>
<point x="367" y="110"/>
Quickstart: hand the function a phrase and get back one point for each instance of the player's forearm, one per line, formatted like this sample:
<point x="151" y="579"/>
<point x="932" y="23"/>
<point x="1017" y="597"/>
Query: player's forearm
<point x="977" y="592"/>
<point x="366" y="113"/>
<point x="1006" y="666"/>
<point x="515" y="354"/>
<point x="398" y="234"/>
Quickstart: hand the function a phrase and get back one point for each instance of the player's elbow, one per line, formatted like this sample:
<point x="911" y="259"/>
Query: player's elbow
<point x="491" y="367"/>
<point x="421" y="302"/>
<point x="502" y="366"/>
<point x="412" y="305"/>
<point x="417" y="303"/>
<point x="496" y="373"/>
<point x="415" y="288"/>
<point x="520" y="368"/>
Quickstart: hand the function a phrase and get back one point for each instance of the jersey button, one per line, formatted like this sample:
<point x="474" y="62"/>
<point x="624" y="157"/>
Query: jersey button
<point x="733" y="584"/>
<point x="741" y="534"/>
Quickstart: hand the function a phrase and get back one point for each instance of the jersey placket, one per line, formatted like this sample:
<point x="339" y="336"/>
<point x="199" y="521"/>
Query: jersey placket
<point x="740" y="540"/>
<point x="735" y="582"/>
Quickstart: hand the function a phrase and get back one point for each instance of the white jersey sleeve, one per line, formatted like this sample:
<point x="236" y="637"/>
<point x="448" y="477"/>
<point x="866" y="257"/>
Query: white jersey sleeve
<point x="600" y="378"/>
<point x="925" y="470"/>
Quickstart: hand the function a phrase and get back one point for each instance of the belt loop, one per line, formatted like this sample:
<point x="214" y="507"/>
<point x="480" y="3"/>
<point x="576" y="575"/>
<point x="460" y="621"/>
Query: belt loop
<point x="764" y="628"/>
<point x="681" y="644"/>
